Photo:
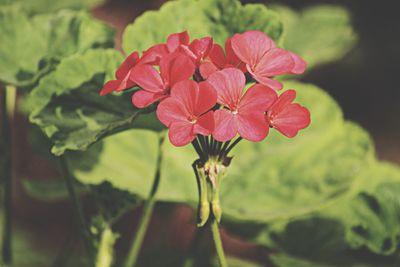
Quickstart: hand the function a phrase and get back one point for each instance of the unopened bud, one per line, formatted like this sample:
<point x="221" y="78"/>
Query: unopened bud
<point x="204" y="213"/>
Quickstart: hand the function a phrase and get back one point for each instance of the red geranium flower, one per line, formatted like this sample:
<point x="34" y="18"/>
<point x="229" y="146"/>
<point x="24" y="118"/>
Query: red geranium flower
<point x="218" y="60"/>
<point x="264" y="60"/>
<point x="187" y="112"/>
<point x="122" y="74"/>
<point x="174" y="41"/>
<point x="156" y="85"/>
<point x="242" y="113"/>
<point x="287" y="117"/>
<point x="198" y="49"/>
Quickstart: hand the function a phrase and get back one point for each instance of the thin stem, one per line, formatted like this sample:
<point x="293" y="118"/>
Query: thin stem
<point x="218" y="243"/>
<point x="6" y="180"/>
<point x="224" y="147"/>
<point x="7" y="108"/>
<point x="197" y="147"/>
<point x="203" y="144"/>
<point x="232" y="146"/>
<point x="147" y="211"/>
<point x="77" y="208"/>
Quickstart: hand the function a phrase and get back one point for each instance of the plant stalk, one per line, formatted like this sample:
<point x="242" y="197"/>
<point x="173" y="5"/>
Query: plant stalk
<point x="77" y="208"/>
<point x="147" y="212"/>
<point x="218" y="243"/>
<point x="6" y="180"/>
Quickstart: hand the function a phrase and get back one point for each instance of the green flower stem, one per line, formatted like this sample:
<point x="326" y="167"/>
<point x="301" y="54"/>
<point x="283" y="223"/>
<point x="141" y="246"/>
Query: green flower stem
<point x="218" y="243"/>
<point x="147" y="211"/>
<point x="81" y="222"/>
<point x="5" y="177"/>
<point x="105" y="256"/>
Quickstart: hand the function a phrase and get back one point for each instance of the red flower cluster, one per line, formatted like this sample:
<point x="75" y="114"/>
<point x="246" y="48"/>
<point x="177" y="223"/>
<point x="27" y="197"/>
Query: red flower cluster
<point x="201" y="90"/>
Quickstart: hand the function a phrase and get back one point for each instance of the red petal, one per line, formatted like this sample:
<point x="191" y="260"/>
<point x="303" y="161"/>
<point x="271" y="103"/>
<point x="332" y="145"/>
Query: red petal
<point x="142" y="98"/>
<point x="176" y="39"/>
<point x="195" y="99"/>
<point x="109" y="87"/>
<point x="225" y="125"/>
<point x="217" y="56"/>
<point x="148" y="78"/>
<point x="231" y="58"/>
<point x="250" y="46"/>
<point x="291" y="119"/>
<point x="207" y="68"/>
<point x="284" y="99"/>
<point x="299" y="64"/>
<point x="276" y="61"/>
<point x="176" y="67"/>
<point x="171" y="110"/>
<point x="154" y="54"/>
<point x="205" y="124"/>
<point x="274" y="84"/>
<point x="201" y="47"/>
<point x="181" y="133"/>
<point x="186" y="93"/>
<point x="229" y="84"/>
<point x="206" y="98"/>
<point x="126" y="83"/>
<point x="257" y="98"/>
<point x="252" y="126"/>
<point x="127" y="65"/>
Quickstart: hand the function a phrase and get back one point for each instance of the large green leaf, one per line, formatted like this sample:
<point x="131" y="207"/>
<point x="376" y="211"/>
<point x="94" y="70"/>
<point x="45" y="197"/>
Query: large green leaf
<point x="66" y="104"/>
<point x="320" y="34"/>
<point x="278" y="178"/>
<point x="351" y="232"/>
<point x="45" y="6"/>
<point x="30" y="46"/>
<point x="220" y="19"/>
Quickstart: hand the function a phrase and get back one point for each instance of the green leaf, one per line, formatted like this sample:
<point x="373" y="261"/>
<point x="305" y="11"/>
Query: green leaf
<point x="46" y="6"/>
<point x="31" y="46"/>
<point x="372" y="216"/>
<point x="67" y="107"/>
<point x="51" y="190"/>
<point x="277" y="178"/>
<point x="220" y="19"/>
<point x="354" y="231"/>
<point x="320" y="34"/>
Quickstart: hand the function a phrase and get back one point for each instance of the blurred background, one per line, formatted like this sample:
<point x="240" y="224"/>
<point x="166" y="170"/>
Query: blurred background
<point x="365" y="84"/>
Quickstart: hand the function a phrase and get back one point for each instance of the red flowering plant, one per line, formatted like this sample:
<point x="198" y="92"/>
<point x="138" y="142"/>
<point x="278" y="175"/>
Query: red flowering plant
<point x="213" y="99"/>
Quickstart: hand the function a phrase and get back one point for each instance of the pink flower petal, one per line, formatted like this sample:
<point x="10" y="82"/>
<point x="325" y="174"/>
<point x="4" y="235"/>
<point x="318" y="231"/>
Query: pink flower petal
<point x="148" y="78"/>
<point x="217" y="56"/>
<point x="225" y="125"/>
<point x="284" y="99"/>
<point x="291" y="119"/>
<point x="276" y="61"/>
<point x="229" y="84"/>
<point x="299" y="64"/>
<point x="257" y="98"/>
<point x="207" y="68"/>
<point x="250" y="46"/>
<point x="274" y="84"/>
<point x="201" y="47"/>
<point x="109" y="87"/>
<point x="181" y="133"/>
<point x="176" y="67"/>
<point x="205" y="124"/>
<point x="252" y="126"/>
<point x="171" y="110"/>
<point x="154" y="54"/>
<point x="127" y="65"/>
<point x="206" y="98"/>
<point x="176" y="39"/>
<point x="142" y="98"/>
